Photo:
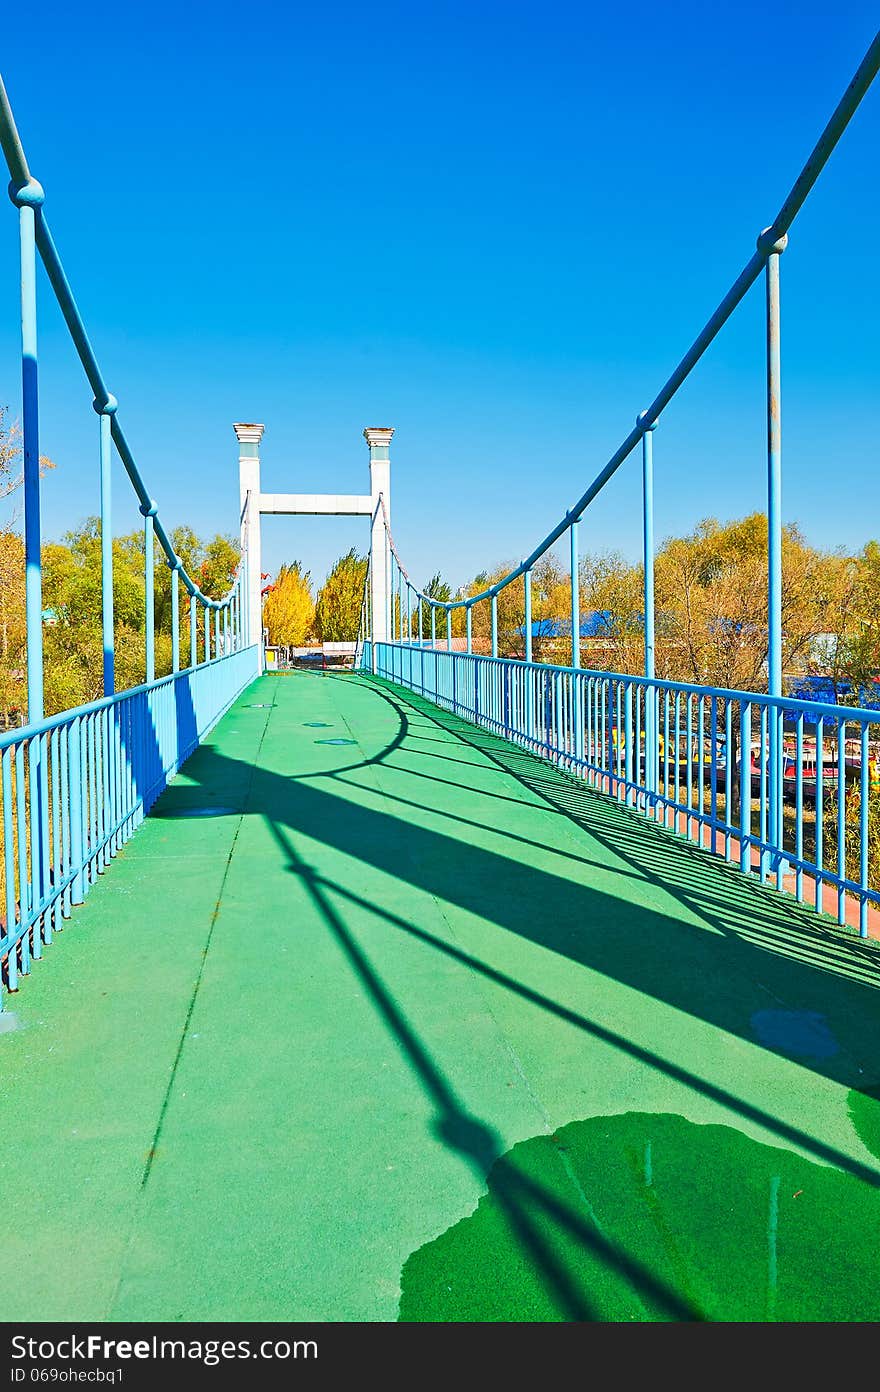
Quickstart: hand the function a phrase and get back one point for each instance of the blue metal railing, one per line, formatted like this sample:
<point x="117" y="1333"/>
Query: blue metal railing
<point x="228" y="613"/>
<point x="101" y="767"/>
<point x="704" y="774"/>
<point x="765" y="259"/>
<point x="74" y="787"/>
<point x="770" y="245"/>
<point x="405" y="605"/>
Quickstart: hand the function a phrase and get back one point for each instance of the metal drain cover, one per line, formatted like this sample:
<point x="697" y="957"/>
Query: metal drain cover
<point x="258" y="705"/>
<point x="335" y="741"/>
<point x="317" y="725"/>
<point x="207" y="812"/>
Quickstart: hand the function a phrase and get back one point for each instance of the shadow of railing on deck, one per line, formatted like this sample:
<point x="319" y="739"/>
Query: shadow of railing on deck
<point x="754" y="954"/>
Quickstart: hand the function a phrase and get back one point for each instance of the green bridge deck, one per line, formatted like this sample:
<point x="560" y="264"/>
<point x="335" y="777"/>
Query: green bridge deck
<point x="419" y="1027"/>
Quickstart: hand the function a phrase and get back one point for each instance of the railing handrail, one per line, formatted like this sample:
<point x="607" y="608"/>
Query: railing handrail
<point x="51" y="722"/>
<point x="673" y="760"/>
<point x="821" y="708"/>
<point x="104" y="401"/>
<point x="768" y="240"/>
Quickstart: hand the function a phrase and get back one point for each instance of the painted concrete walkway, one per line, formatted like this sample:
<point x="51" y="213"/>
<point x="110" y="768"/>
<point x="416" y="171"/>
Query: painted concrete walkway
<point x="418" y="1013"/>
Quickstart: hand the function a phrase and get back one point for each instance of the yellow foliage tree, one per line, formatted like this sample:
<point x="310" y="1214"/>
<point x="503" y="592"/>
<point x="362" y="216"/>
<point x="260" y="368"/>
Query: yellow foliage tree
<point x="289" y="608"/>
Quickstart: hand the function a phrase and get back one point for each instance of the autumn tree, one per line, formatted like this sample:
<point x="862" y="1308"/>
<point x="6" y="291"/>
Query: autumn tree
<point x="338" y="607"/>
<point x="847" y="651"/>
<point x="13" y="641"/>
<point x="711" y="599"/>
<point x="511" y="612"/>
<point x="289" y="609"/>
<point x="11" y="466"/>
<point x="612" y="590"/>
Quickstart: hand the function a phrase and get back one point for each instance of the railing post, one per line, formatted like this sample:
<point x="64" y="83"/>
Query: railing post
<point x="494" y="625"/>
<point x="75" y="806"/>
<point x="470" y="628"/>
<point x="576" y="693"/>
<point x="245" y="586"/>
<point x="28" y="198"/>
<point x="175" y="615"/>
<point x="772" y="251"/>
<point x="106" y="410"/>
<point x="575" y="599"/>
<point x="647" y="428"/>
<point x="193" y="633"/>
<point x="448" y="629"/>
<point x="391" y="587"/>
<point x="433" y="626"/>
<point x="206" y="615"/>
<point x="529" y="676"/>
<point x="148" y="514"/>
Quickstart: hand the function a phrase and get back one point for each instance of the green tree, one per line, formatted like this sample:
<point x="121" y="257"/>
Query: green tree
<point x="73" y="639"/>
<point x="438" y="589"/>
<point x="338" y="608"/>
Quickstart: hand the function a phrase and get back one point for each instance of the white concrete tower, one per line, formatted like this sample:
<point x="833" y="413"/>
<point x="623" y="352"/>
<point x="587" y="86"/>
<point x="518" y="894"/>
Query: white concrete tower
<point x="249" y="437"/>
<point x="379" y="440"/>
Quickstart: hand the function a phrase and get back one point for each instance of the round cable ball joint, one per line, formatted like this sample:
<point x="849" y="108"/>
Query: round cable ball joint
<point x="27" y="195"/>
<point x="108" y="407"/>
<point x="643" y="424"/>
<point x="151" y="511"/>
<point x="767" y="244"/>
<point x="175" y="565"/>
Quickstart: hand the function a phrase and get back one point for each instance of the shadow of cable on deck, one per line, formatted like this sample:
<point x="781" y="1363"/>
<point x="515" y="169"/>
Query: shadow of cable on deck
<point x="524" y="1202"/>
<point x="752" y="957"/>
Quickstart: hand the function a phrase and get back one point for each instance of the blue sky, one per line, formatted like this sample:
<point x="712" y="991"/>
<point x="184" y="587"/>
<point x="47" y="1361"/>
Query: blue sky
<point x="495" y="227"/>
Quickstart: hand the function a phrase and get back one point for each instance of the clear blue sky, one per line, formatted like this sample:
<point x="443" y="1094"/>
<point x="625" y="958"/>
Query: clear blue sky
<point x="493" y="226"/>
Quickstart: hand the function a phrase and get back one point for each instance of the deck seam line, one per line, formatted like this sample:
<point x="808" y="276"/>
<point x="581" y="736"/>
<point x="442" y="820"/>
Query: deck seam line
<point x="205" y="950"/>
<point x="169" y="1088"/>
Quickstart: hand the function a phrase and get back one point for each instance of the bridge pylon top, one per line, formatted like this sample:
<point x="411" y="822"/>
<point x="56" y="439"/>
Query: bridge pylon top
<point x="248" y="433"/>
<point x="378" y="435"/>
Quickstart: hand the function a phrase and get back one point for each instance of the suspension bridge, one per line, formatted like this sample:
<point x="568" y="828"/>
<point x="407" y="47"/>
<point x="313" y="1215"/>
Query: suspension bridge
<point x="451" y="987"/>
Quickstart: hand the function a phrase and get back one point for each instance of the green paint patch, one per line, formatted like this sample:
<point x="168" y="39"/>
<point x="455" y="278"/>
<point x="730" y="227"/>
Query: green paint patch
<point x="864" y="1111"/>
<point x="650" y="1217"/>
